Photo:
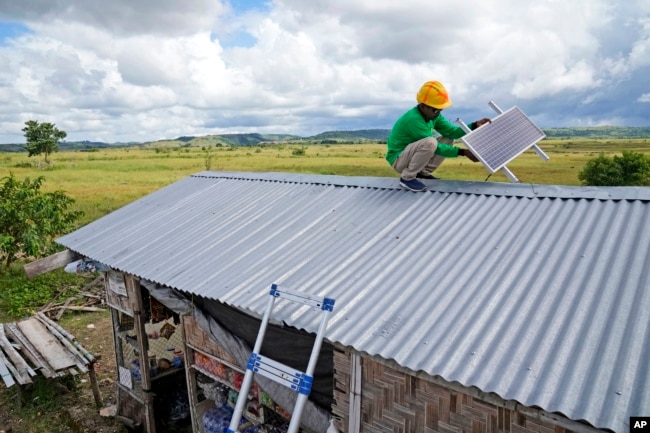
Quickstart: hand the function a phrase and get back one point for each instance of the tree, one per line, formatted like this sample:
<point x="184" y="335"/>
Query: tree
<point x="30" y="219"/>
<point x="631" y="169"/>
<point x="42" y="138"/>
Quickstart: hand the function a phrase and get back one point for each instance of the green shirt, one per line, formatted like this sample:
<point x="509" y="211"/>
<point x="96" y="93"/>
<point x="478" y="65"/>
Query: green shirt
<point x="412" y="127"/>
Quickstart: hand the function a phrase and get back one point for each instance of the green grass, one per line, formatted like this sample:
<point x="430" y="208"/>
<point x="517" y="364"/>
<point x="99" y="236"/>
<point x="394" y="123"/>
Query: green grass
<point x="40" y="410"/>
<point x="21" y="297"/>
<point x="104" y="180"/>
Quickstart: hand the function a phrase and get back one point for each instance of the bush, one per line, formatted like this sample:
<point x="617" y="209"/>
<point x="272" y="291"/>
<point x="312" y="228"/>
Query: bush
<point x="22" y="296"/>
<point x="630" y="169"/>
<point x="30" y="218"/>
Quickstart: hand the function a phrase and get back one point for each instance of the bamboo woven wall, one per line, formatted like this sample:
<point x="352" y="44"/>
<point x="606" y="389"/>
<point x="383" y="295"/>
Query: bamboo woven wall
<point x="397" y="402"/>
<point x="197" y="337"/>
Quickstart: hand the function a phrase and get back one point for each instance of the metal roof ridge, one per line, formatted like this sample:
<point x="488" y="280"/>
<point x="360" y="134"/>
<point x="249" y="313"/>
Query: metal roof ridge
<point x="526" y="190"/>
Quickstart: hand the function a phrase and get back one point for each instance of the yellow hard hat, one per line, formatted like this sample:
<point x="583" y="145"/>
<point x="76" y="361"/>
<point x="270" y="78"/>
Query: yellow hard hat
<point x="434" y="94"/>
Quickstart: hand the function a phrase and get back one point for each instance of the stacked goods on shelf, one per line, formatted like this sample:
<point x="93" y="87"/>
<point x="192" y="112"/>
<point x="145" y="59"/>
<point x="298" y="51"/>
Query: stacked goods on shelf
<point x="218" y="381"/>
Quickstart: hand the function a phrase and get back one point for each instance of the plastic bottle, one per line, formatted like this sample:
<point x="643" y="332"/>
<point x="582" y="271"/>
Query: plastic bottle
<point x="135" y="370"/>
<point x="153" y="364"/>
<point x="177" y="361"/>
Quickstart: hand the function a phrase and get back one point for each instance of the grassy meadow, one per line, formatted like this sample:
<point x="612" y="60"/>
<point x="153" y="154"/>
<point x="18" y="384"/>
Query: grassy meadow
<point x="104" y="180"/>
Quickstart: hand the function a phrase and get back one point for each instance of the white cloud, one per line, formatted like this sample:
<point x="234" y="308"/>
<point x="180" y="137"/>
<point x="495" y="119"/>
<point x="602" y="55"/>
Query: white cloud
<point x="120" y="17"/>
<point x="640" y="53"/>
<point x="133" y="70"/>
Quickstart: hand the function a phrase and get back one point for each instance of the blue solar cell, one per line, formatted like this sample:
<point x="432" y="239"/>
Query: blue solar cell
<point x="509" y="135"/>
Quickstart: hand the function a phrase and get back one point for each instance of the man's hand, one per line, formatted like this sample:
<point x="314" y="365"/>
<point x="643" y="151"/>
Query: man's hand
<point x="470" y="155"/>
<point x="481" y="122"/>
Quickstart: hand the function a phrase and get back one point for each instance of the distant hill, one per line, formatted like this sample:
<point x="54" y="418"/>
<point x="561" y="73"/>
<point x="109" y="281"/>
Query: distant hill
<point x="70" y="145"/>
<point x="599" y="132"/>
<point x="88" y="145"/>
<point x="363" y="134"/>
<point x="223" y="140"/>
<point x="330" y="137"/>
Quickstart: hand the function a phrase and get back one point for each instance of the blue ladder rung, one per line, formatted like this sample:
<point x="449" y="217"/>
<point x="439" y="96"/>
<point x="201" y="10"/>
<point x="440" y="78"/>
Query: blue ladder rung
<point x="302" y="298"/>
<point x="280" y="373"/>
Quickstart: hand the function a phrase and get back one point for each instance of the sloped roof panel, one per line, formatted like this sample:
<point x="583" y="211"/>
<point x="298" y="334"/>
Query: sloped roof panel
<point x="537" y="293"/>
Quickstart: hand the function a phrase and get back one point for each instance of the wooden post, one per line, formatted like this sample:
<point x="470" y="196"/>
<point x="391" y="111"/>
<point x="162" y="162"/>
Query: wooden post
<point x="135" y="295"/>
<point x="93" y="382"/>
<point x="149" y="416"/>
<point x="190" y="377"/>
<point x="119" y="355"/>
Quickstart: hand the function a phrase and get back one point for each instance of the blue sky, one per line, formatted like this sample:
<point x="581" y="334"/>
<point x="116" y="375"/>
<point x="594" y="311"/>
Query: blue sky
<point x="11" y="30"/>
<point x="241" y="6"/>
<point x="141" y="70"/>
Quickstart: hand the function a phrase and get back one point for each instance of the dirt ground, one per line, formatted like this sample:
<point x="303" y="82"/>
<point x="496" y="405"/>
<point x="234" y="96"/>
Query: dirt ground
<point x="79" y="413"/>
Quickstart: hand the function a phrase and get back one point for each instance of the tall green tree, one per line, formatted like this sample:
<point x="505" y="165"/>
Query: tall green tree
<point x="30" y="219"/>
<point x="42" y="138"/>
<point x="630" y="169"/>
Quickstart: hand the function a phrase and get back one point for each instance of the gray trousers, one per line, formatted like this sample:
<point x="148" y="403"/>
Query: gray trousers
<point x="420" y="157"/>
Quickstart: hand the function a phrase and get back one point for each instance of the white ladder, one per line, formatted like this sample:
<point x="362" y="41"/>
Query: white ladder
<point x="276" y="371"/>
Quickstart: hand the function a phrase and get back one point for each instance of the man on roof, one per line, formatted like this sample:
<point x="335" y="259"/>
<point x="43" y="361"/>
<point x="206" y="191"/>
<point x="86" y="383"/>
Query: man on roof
<point x="413" y="151"/>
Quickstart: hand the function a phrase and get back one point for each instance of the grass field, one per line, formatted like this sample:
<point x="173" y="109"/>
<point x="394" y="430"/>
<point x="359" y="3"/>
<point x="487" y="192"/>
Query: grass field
<point x="104" y="180"/>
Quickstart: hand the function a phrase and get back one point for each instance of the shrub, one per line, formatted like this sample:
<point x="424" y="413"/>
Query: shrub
<point x="630" y="169"/>
<point x="30" y="218"/>
<point x="22" y="296"/>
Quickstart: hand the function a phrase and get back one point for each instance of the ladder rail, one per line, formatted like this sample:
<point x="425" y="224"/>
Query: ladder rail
<point x="294" y="424"/>
<point x="248" y="375"/>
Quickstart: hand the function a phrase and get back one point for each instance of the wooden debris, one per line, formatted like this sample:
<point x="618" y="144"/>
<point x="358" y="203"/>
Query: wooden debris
<point x="7" y="378"/>
<point x="48" y="348"/>
<point x="46" y="344"/>
<point x="92" y="284"/>
<point x="67" y="339"/>
<point x="89" y="298"/>
<point x="73" y="308"/>
<point x="30" y="351"/>
<point x="51" y="350"/>
<point x="22" y="370"/>
<point x="62" y="309"/>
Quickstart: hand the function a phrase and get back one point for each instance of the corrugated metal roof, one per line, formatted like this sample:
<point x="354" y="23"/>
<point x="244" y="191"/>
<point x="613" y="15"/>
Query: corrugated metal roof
<point x="537" y="293"/>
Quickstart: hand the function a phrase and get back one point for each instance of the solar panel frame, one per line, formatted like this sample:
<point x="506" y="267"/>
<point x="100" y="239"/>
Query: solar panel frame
<point x="509" y="135"/>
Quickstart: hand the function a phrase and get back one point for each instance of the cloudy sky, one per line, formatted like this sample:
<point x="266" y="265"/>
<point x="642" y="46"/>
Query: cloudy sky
<point x="140" y="70"/>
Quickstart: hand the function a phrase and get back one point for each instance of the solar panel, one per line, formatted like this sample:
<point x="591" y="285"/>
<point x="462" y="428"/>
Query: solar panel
<point x="509" y="135"/>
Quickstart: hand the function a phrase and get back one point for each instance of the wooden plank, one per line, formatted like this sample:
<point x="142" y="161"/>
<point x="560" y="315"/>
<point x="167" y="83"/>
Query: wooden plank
<point x="73" y="308"/>
<point x="8" y="371"/>
<point x="93" y="283"/>
<point x="46" y="344"/>
<point x="7" y="378"/>
<point x="50" y="263"/>
<point x="79" y="359"/>
<point x="58" y="332"/>
<point x="23" y="369"/>
<point x="30" y="350"/>
<point x="62" y="309"/>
